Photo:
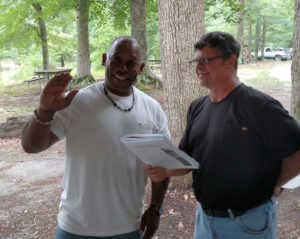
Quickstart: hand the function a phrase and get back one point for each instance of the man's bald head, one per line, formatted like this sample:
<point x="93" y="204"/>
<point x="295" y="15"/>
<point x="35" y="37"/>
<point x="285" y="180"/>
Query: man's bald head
<point x="124" y="41"/>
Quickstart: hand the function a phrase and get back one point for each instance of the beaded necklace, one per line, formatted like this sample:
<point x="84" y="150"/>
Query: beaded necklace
<point x="115" y="104"/>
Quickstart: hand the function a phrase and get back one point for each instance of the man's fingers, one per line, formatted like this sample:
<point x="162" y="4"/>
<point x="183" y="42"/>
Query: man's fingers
<point x="62" y="79"/>
<point x="278" y="191"/>
<point x="71" y="96"/>
<point x="156" y="174"/>
<point x="147" y="166"/>
<point x="149" y="232"/>
<point x="143" y="225"/>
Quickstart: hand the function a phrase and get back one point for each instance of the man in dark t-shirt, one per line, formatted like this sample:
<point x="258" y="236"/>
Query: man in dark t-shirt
<point x="246" y="143"/>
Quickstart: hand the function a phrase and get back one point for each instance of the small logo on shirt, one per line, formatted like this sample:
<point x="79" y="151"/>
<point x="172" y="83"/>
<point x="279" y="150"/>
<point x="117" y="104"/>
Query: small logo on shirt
<point x="244" y="128"/>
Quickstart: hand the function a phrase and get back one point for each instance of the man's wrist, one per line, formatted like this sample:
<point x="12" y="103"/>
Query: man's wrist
<point x="43" y="117"/>
<point x="157" y="208"/>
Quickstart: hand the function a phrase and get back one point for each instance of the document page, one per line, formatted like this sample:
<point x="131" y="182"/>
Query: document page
<point x="158" y="151"/>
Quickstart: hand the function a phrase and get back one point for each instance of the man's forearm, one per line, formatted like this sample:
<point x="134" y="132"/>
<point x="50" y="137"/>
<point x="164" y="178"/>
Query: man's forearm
<point x="36" y="137"/>
<point x="290" y="168"/>
<point x="158" y="191"/>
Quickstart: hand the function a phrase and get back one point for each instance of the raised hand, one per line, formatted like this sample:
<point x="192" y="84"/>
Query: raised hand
<point x="53" y="97"/>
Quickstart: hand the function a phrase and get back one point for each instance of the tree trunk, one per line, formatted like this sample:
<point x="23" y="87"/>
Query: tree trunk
<point x="257" y="37"/>
<point x="139" y="32"/>
<point x="240" y="32"/>
<point x="181" y="25"/>
<point x="263" y="39"/>
<point x="83" y="51"/>
<point x="62" y="60"/>
<point x="250" y="31"/>
<point x="43" y="35"/>
<point x="295" y="104"/>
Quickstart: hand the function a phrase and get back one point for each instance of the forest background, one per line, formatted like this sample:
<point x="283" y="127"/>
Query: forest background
<point x="51" y="34"/>
<point x="21" y="38"/>
<point x="42" y="34"/>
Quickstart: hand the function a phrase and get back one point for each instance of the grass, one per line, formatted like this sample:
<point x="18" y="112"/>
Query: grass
<point x="264" y="79"/>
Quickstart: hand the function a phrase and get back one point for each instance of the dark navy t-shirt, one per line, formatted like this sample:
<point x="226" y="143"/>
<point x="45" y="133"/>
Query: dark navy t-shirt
<point x="240" y="143"/>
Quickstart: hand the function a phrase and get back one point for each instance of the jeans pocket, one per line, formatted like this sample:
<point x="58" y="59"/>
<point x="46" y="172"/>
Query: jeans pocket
<point x="256" y="222"/>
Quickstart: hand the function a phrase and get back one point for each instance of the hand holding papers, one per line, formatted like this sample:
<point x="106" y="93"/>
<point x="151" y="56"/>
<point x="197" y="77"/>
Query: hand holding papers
<point x="158" y="151"/>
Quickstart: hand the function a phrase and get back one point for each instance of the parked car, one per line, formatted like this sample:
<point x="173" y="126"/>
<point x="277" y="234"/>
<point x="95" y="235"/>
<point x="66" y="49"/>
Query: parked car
<point x="275" y="53"/>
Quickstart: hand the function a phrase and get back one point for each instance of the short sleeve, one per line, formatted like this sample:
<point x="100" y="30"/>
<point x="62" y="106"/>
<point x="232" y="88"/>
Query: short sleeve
<point x="163" y="123"/>
<point x="279" y="131"/>
<point x="183" y="144"/>
<point x="58" y="127"/>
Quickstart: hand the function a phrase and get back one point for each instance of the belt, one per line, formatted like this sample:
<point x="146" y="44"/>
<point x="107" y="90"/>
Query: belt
<point x="222" y="213"/>
<point x="227" y="212"/>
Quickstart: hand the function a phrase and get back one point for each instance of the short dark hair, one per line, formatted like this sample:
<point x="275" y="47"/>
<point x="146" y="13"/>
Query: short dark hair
<point x="223" y="42"/>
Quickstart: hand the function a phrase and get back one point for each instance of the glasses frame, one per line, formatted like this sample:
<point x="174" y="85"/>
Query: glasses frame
<point x="204" y="60"/>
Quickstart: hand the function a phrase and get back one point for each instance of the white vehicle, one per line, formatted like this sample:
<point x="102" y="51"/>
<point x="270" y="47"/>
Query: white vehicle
<point x="274" y="53"/>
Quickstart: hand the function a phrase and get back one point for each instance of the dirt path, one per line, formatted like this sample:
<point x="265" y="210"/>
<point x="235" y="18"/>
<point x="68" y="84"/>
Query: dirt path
<point x="30" y="187"/>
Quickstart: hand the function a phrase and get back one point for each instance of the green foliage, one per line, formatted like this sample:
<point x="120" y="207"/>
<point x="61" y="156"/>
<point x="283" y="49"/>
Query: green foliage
<point x="153" y="30"/>
<point x="264" y="78"/>
<point x="20" y="41"/>
<point x="226" y="9"/>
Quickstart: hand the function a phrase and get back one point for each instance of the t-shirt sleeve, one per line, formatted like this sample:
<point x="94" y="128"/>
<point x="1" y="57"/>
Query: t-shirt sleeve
<point x="183" y="144"/>
<point x="163" y="123"/>
<point x="58" y="127"/>
<point x="279" y="131"/>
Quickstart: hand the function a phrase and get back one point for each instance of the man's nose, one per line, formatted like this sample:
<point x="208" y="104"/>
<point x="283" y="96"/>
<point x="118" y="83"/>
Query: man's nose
<point x="123" y="66"/>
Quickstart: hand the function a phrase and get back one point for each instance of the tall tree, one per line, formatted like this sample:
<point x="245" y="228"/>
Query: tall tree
<point x="240" y="31"/>
<point x="138" y="14"/>
<point x="257" y="38"/>
<point x="263" y="38"/>
<point x="29" y="27"/>
<point x="181" y="25"/>
<point x="42" y="34"/>
<point x="83" y="46"/>
<point x="250" y="28"/>
<point x="295" y="105"/>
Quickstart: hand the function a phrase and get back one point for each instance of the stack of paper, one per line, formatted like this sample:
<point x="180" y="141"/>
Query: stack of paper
<point x="158" y="151"/>
<point x="292" y="184"/>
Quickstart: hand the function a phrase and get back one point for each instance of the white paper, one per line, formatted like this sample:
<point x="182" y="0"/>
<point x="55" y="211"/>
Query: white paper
<point x="292" y="184"/>
<point x="158" y="151"/>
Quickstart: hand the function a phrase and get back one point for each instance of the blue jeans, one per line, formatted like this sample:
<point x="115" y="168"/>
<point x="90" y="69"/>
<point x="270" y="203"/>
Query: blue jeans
<point x="257" y="223"/>
<point x="62" y="234"/>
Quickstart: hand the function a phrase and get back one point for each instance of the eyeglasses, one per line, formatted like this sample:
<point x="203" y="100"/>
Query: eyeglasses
<point x="203" y="61"/>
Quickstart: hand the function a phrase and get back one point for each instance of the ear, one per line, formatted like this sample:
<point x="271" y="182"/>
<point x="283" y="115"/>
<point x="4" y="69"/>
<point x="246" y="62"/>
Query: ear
<point x="232" y="60"/>
<point x="141" y="68"/>
<point x="104" y="58"/>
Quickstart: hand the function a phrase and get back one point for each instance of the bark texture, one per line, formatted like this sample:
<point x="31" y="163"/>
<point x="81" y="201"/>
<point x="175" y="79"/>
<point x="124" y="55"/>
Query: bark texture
<point x="83" y="51"/>
<point x="250" y="30"/>
<point x="181" y="25"/>
<point x="43" y="35"/>
<point x="257" y="38"/>
<point x="263" y="39"/>
<point x="240" y="31"/>
<point x="138" y="14"/>
<point x="295" y="104"/>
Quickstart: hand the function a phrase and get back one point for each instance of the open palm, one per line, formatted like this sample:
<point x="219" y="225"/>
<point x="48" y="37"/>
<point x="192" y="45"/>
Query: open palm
<point x="53" y="97"/>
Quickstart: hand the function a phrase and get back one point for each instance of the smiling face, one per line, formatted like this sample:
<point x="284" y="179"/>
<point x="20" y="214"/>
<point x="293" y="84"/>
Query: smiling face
<point x="212" y="72"/>
<point x="122" y="66"/>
